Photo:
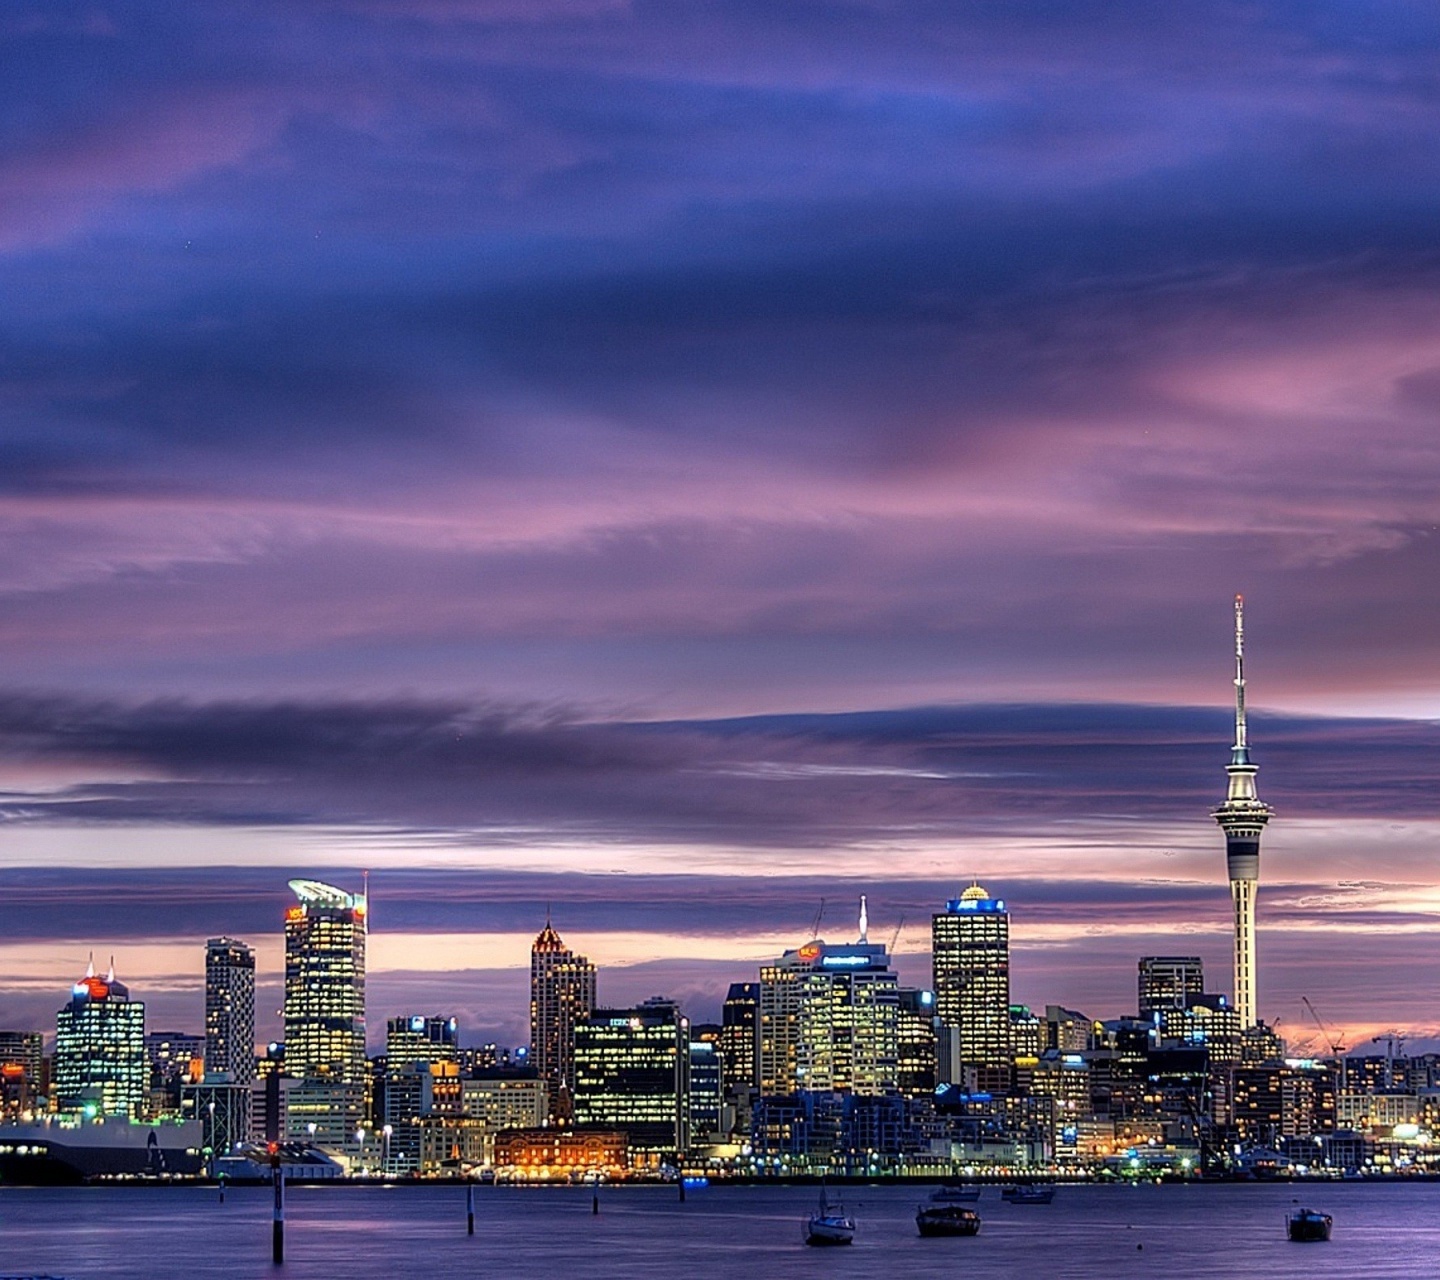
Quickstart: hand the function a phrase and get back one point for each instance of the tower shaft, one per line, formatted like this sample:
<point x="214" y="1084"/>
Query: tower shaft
<point x="1242" y="817"/>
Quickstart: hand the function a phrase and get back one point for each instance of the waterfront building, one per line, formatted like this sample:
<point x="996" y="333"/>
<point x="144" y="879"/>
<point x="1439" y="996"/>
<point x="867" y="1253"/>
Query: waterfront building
<point x="1169" y="982"/>
<point x="173" y="1059"/>
<point x="418" y="1038"/>
<point x="270" y="1109"/>
<point x="23" y="1077"/>
<point x="739" y="1022"/>
<point x="970" y="955"/>
<point x="229" y="1011"/>
<point x="562" y="996"/>
<point x="632" y="1073"/>
<point x="1062" y="1082"/>
<point x="1280" y="1100"/>
<point x="707" y="1092"/>
<point x="506" y="1099"/>
<point x="328" y="1112"/>
<point x="223" y="1109"/>
<point x="1242" y="818"/>
<point x="560" y="1155"/>
<point x="829" y="1020"/>
<point x="420" y="1099"/>
<point x="915" y="1043"/>
<point x="100" y="1064"/>
<point x="325" y="984"/>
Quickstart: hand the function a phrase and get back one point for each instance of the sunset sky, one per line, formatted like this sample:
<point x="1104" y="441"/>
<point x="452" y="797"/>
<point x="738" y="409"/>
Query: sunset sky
<point x="677" y="461"/>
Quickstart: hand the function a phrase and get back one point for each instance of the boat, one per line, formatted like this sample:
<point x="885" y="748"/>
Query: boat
<point x="954" y="1193"/>
<point x="830" y="1224"/>
<point x="946" y="1220"/>
<point x="1029" y="1193"/>
<point x="1308" y="1224"/>
<point x="61" y="1150"/>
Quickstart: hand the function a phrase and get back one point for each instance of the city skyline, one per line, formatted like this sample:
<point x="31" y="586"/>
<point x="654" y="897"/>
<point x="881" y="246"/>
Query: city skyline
<point x="676" y="463"/>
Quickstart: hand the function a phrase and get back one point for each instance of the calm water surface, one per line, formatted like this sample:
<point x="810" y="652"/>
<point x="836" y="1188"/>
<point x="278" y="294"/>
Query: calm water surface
<point x="1381" y="1230"/>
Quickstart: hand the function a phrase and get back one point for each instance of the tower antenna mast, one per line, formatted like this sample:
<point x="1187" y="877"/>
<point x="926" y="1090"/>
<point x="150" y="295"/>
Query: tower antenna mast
<point x="1242" y="818"/>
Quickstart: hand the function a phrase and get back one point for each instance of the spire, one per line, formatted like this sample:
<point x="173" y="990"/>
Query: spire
<point x="110" y="974"/>
<point x="90" y="968"/>
<point x="1241" y="753"/>
<point x="864" y="921"/>
<point x="1241" y="769"/>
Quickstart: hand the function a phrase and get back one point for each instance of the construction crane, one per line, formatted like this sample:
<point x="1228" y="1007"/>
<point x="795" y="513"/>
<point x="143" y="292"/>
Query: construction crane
<point x="895" y="937"/>
<point x="1332" y="1037"/>
<point x="1394" y="1042"/>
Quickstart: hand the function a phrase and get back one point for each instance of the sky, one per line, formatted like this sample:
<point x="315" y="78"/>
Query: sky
<point x="673" y="463"/>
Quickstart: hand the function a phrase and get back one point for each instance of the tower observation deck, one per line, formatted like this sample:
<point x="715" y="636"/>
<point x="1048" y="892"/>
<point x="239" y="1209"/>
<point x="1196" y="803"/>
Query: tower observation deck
<point x="1242" y="818"/>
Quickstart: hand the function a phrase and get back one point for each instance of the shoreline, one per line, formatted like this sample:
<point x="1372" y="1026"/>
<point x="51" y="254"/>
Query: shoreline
<point x="655" y="1184"/>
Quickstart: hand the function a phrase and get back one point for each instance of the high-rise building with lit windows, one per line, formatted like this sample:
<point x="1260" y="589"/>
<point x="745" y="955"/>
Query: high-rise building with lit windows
<point x="829" y="1020"/>
<point x="100" y="1064"/>
<point x="229" y="1011"/>
<point x="421" y="1038"/>
<point x="22" y="1072"/>
<point x="632" y="1072"/>
<point x="325" y="984"/>
<point x="970" y="955"/>
<point x="1169" y="982"/>
<point x="562" y="995"/>
<point x="915" y="1043"/>
<point x="738" y="1020"/>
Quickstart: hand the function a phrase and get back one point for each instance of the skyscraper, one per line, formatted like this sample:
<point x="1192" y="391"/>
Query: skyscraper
<point x="100" y="1065"/>
<point x="562" y="995"/>
<point x="418" y="1038"/>
<point x="1242" y="817"/>
<point x="229" y="1011"/>
<point x="738" y="1019"/>
<point x="1169" y="982"/>
<point x="632" y="1072"/>
<point x="829" y="1020"/>
<point x="325" y="984"/>
<point x="970" y="954"/>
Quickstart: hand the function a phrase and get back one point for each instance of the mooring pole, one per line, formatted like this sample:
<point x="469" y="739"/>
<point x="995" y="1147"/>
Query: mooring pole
<point x="469" y="1208"/>
<point x="277" y="1235"/>
<point x="595" y="1202"/>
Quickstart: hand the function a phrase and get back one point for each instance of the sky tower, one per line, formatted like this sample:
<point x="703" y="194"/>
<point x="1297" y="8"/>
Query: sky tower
<point x="1242" y="817"/>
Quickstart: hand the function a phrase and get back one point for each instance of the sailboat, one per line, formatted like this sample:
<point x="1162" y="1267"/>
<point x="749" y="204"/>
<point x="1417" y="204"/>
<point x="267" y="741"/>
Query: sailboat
<point x="830" y="1224"/>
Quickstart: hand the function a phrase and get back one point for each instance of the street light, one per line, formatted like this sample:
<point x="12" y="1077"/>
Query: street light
<point x="385" y="1149"/>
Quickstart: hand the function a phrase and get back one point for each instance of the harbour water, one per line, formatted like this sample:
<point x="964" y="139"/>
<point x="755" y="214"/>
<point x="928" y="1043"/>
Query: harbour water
<point x="357" y="1233"/>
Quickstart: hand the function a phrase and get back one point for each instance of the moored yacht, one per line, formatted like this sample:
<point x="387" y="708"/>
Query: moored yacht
<point x="830" y="1224"/>
<point x="946" y="1220"/>
<point x="1308" y="1225"/>
<point x="1029" y="1193"/>
<point x="954" y="1193"/>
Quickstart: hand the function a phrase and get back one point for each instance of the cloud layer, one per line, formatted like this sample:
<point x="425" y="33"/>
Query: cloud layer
<point x="481" y="437"/>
